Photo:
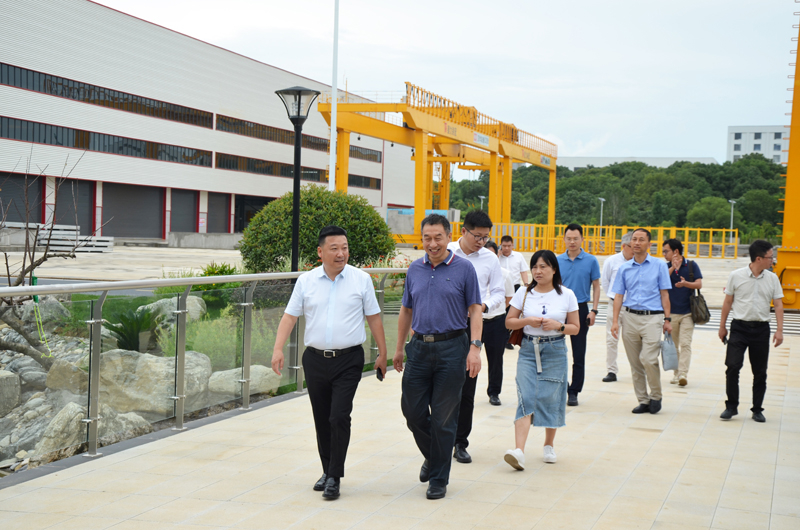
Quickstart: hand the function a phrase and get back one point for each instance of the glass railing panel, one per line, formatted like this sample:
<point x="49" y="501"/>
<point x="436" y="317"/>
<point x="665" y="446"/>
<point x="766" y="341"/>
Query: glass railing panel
<point x="393" y="298"/>
<point x="44" y="379"/>
<point x="269" y="302"/>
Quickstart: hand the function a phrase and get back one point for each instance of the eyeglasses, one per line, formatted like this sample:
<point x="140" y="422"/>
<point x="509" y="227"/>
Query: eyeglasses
<point x="477" y="238"/>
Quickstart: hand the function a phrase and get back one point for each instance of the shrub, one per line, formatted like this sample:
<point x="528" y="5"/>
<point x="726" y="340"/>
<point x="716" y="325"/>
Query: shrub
<point x="267" y="241"/>
<point x="128" y="327"/>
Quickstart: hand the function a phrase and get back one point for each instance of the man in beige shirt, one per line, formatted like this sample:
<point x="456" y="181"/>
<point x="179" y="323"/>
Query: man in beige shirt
<point x="749" y="293"/>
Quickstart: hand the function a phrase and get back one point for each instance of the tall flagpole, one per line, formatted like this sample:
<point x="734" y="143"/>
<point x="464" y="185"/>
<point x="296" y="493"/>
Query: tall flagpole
<point x="334" y="99"/>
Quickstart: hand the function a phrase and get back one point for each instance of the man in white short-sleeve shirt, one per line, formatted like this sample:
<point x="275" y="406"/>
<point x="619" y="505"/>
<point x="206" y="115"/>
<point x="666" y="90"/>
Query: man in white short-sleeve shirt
<point x="335" y="300"/>
<point x="513" y="262"/>
<point x="607" y="277"/>
<point x="748" y="295"/>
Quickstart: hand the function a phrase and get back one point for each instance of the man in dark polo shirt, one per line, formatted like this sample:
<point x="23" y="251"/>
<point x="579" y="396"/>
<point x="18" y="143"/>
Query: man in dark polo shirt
<point x="681" y="271"/>
<point x="440" y="288"/>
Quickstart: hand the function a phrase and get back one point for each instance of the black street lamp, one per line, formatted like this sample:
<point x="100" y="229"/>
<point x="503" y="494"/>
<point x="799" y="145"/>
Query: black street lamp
<point x="298" y="101"/>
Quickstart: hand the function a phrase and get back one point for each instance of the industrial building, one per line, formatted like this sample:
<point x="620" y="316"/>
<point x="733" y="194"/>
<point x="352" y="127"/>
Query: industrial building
<point x="768" y="140"/>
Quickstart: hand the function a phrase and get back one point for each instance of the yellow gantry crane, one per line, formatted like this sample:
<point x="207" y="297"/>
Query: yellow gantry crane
<point x="444" y="132"/>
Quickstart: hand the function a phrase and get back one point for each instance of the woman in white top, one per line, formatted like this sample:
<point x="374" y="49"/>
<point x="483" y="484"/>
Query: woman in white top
<point x="546" y="311"/>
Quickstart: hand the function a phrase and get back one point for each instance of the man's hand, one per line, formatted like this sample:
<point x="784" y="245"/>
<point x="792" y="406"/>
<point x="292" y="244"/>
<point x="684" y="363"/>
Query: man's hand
<point x="615" y="330"/>
<point x="667" y="326"/>
<point x="397" y="361"/>
<point x="380" y="364"/>
<point x="677" y="261"/>
<point x="474" y="361"/>
<point x="723" y="332"/>
<point x="591" y="318"/>
<point x="277" y="361"/>
<point x="778" y="338"/>
<point x="681" y="283"/>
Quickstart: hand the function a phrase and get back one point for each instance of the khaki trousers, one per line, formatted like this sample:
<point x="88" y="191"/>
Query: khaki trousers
<point x="612" y="343"/>
<point x="682" y="329"/>
<point x="641" y="335"/>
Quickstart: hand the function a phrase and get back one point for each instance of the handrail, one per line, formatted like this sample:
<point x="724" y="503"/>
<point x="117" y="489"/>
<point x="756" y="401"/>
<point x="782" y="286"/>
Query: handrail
<point x="29" y="290"/>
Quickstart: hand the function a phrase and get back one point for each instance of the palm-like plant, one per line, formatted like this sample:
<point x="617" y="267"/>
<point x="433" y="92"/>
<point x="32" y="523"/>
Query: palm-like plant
<point x="130" y="324"/>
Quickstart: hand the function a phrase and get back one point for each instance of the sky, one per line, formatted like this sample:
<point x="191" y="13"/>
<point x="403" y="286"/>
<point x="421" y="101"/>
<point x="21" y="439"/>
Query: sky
<point x="613" y="78"/>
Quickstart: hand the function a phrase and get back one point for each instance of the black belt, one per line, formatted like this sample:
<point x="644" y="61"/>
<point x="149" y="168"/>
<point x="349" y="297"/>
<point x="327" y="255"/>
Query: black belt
<point x="642" y="312"/>
<point x="750" y="323"/>
<point x="543" y="338"/>
<point x="329" y="354"/>
<point x="436" y="337"/>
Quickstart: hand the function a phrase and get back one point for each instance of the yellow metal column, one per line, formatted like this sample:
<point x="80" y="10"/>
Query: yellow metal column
<point x="444" y="187"/>
<point x="342" y="160"/>
<point x="505" y="215"/>
<point x="494" y="189"/>
<point x="551" y="212"/>
<point x="421" y="180"/>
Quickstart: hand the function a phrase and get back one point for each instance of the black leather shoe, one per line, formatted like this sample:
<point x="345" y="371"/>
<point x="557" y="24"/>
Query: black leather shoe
<point x="655" y="405"/>
<point x="495" y="400"/>
<point x="572" y="400"/>
<point x="436" y="492"/>
<point x="461" y="455"/>
<point x="759" y="417"/>
<point x="641" y="409"/>
<point x="425" y="471"/>
<point x="509" y="346"/>
<point x="728" y="414"/>
<point x="331" y="489"/>
<point x="610" y="378"/>
<point x="320" y="484"/>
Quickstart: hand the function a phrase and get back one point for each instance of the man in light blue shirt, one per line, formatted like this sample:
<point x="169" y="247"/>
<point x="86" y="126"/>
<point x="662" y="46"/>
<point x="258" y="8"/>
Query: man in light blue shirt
<point x="580" y="272"/>
<point x="335" y="299"/>
<point x="643" y="283"/>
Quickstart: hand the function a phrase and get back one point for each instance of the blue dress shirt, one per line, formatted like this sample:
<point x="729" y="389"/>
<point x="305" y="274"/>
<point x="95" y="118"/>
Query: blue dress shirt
<point x="641" y="283"/>
<point x="579" y="273"/>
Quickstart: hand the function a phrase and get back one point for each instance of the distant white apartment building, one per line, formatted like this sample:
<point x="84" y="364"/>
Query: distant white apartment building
<point x="768" y="140"/>
<point x="582" y="162"/>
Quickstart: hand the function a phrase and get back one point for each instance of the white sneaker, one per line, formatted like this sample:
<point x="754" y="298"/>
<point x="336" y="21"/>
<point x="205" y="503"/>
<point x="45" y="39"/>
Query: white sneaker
<point x="515" y="458"/>
<point x="682" y="381"/>
<point x="549" y="455"/>
<point x="675" y="380"/>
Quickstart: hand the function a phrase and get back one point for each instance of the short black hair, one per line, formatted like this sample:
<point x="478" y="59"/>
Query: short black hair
<point x="435" y="219"/>
<point x="674" y="244"/>
<point x="573" y="226"/>
<point x="506" y="238"/>
<point x="646" y="231"/>
<point x="477" y="219"/>
<point x="331" y="230"/>
<point x="759" y="249"/>
<point x="491" y="245"/>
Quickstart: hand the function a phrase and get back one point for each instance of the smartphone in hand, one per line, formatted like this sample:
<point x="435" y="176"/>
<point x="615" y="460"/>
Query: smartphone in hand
<point x="379" y="374"/>
<point x="725" y="340"/>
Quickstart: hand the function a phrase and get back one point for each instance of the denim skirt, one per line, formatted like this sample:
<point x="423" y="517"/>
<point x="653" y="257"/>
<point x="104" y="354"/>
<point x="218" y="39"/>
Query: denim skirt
<point x="544" y="395"/>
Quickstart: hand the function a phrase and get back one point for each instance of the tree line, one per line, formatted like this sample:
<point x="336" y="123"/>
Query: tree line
<point x="684" y="194"/>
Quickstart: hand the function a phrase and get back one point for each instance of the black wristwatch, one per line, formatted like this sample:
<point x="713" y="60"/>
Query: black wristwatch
<point x="595" y="311"/>
<point x="667" y="319"/>
<point x="562" y="328"/>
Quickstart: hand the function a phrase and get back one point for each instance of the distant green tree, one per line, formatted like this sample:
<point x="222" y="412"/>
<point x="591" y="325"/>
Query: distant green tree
<point x="713" y="212"/>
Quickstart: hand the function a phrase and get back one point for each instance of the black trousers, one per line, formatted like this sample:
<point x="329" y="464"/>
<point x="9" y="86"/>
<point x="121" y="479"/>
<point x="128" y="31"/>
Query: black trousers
<point x="579" y="351"/>
<point x="494" y="340"/>
<point x="508" y="308"/>
<point x="332" y="384"/>
<point x="755" y="338"/>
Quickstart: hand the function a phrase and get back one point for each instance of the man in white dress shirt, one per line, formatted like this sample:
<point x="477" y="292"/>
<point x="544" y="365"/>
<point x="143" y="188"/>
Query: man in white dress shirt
<point x="495" y="335"/>
<point x="475" y="233"/>
<point x="335" y="299"/>
<point x="607" y="277"/>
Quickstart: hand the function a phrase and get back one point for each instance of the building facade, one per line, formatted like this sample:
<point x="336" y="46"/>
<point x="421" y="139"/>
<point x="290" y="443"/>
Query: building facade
<point x="129" y="129"/>
<point x="768" y="140"/>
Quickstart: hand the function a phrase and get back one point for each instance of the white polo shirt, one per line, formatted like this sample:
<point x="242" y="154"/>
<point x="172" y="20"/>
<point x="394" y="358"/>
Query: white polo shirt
<point x="490" y="275"/>
<point x="515" y="264"/>
<point x="334" y="310"/>
<point x="609" y="274"/>
<point x="509" y="287"/>
<point x="752" y="294"/>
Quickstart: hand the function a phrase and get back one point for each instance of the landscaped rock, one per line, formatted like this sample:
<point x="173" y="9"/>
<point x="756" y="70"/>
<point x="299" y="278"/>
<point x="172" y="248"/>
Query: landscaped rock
<point x="64" y="430"/>
<point x="107" y="340"/>
<point x="114" y="427"/>
<point x="9" y="391"/>
<point x="31" y="374"/>
<point x="51" y="312"/>
<point x="166" y="308"/>
<point x="140" y="382"/>
<point x="262" y="379"/>
<point x="64" y="375"/>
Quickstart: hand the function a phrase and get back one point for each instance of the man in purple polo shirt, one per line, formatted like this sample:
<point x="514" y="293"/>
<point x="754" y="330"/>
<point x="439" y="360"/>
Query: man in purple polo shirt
<point x="440" y="289"/>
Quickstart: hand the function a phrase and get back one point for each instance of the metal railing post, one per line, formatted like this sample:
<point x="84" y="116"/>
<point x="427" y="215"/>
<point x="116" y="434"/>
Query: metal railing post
<point x="381" y="292"/>
<point x="297" y="355"/>
<point x="180" y="361"/>
<point x="247" y="324"/>
<point x="96" y="325"/>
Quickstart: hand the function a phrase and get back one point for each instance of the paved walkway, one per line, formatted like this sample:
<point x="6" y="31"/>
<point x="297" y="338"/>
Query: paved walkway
<point x="680" y="469"/>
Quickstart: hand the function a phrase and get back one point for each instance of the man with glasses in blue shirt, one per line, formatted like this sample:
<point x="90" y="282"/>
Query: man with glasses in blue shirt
<point x="580" y="272"/>
<point x="643" y="283"/>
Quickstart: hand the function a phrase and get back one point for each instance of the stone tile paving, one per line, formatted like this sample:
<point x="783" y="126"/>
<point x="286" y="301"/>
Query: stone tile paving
<point x="683" y="468"/>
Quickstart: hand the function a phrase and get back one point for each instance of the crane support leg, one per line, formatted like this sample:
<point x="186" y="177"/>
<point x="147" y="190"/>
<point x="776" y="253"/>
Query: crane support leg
<point x="495" y="187"/>
<point x="422" y="192"/>
<point x="444" y="187"/>
<point x="505" y="215"/>
<point x="342" y="160"/>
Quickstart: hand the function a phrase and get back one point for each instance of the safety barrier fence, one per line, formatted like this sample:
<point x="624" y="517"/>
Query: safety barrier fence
<point x="179" y="353"/>
<point x="605" y="240"/>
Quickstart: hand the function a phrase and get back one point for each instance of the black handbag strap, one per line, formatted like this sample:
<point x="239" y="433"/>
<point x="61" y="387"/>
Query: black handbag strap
<point x="691" y="276"/>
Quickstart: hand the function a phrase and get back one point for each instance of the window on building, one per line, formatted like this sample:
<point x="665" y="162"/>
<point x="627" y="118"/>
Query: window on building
<point x="736" y="158"/>
<point x="737" y="136"/>
<point x="737" y="147"/>
<point x="756" y="147"/>
<point x="776" y="159"/>
<point x="776" y="147"/>
<point x="757" y="136"/>
<point x="778" y="136"/>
